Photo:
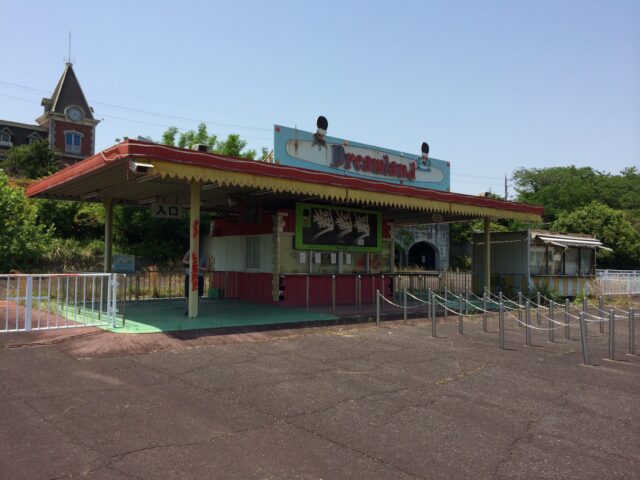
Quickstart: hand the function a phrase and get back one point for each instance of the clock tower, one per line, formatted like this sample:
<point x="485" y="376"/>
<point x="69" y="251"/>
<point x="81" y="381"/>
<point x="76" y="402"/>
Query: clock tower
<point x="69" y="119"/>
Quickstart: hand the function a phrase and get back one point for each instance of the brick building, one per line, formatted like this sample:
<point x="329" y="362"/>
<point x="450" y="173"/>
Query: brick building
<point x="67" y="123"/>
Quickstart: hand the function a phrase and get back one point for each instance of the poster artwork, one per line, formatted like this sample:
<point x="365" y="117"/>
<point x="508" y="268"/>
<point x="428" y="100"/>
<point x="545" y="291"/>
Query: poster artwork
<point x="325" y="226"/>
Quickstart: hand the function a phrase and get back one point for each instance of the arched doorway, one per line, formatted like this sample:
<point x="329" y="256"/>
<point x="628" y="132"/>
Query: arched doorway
<point x="422" y="255"/>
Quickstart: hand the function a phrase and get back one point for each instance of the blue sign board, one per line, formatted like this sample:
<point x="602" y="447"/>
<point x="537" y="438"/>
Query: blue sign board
<point x="298" y="148"/>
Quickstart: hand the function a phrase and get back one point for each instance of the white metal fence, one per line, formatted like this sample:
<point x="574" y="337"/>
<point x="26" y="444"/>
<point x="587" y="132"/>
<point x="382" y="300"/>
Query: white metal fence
<point x="618" y="282"/>
<point x="49" y="301"/>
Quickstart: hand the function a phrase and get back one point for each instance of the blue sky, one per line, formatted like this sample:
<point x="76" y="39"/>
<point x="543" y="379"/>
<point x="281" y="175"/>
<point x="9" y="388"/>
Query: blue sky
<point x="491" y="85"/>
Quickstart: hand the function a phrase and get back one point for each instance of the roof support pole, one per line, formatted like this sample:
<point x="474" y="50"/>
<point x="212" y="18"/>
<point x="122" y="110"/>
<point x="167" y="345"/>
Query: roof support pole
<point x="194" y="249"/>
<point x="487" y="253"/>
<point x="107" y="203"/>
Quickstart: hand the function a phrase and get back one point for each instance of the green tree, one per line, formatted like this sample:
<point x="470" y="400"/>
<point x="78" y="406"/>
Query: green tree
<point x="608" y="225"/>
<point x="233" y="145"/>
<point x="23" y="242"/>
<point x="34" y="160"/>
<point x="562" y="189"/>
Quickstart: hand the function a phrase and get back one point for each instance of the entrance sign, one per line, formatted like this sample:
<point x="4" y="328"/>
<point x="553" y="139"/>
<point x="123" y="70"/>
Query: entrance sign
<point x="166" y="210"/>
<point x="298" y="148"/>
<point x="123" y="264"/>
<point x="325" y="227"/>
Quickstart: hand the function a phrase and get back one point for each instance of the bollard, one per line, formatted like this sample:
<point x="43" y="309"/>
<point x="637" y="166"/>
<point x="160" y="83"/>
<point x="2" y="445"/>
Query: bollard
<point x="501" y="323"/>
<point x="460" y="316"/>
<point x="378" y="307"/>
<point x="585" y="306"/>
<point x="527" y="319"/>
<point x="632" y="332"/>
<point x="520" y="309"/>
<point x="405" y="305"/>
<point x="567" y="319"/>
<point x="484" y="314"/>
<point x="612" y="335"/>
<point x="583" y="335"/>
<point x="551" y="324"/>
<point x="466" y="301"/>
<point x="432" y="314"/>
<point x="602" y="312"/>
<point x="446" y="302"/>
<point x="539" y="302"/>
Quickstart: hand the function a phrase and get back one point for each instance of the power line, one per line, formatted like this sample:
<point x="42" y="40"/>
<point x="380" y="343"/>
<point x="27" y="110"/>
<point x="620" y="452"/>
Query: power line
<point x="149" y="112"/>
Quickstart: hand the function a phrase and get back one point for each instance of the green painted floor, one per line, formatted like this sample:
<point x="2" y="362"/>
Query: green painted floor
<point x="169" y="316"/>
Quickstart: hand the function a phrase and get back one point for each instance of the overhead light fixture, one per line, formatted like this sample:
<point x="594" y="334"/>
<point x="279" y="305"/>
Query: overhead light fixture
<point x="140" y="167"/>
<point x="146" y="201"/>
<point x="88" y="196"/>
<point x="210" y="186"/>
<point x="146" y="178"/>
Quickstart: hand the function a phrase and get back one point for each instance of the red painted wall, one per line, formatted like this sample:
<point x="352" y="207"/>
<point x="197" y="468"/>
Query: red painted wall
<point x="244" y="286"/>
<point x="87" y="141"/>
<point x="320" y="289"/>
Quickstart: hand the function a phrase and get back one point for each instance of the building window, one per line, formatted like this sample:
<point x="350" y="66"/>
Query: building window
<point x="253" y="252"/>
<point x="5" y="138"/>
<point x="571" y="266"/>
<point x="33" y="139"/>
<point x="554" y="261"/>
<point x="586" y="261"/>
<point x="72" y="142"/>
<point x="538" y="260"/>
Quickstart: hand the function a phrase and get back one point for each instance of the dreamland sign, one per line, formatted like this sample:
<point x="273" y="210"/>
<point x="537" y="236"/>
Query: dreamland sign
<point x="298" y="148"/>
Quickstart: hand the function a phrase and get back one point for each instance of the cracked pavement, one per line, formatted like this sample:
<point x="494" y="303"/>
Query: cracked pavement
<point x="331" y="402"/>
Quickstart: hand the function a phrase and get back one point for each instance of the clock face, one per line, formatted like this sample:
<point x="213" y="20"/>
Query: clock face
<point x="75" y="114"/>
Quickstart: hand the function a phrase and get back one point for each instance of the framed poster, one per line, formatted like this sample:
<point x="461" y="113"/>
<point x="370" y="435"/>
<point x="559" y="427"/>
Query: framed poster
<point x="325" y="227"/>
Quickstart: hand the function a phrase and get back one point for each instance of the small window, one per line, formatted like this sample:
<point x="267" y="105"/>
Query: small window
<point x="5" y="138"/>
<point x="72" y="142"/>
<point x="538" y="260"/>
<point x="571" y="266"/>
<point x="34" y="139"/>
<point x="253" y="252"/>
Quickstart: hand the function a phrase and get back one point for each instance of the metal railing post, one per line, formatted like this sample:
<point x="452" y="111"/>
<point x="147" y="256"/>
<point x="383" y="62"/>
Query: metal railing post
<point x="583" y="335"/>
<point x="405" y="304"/>
<point x="378" y="307"/>
<point x="114" y="299"/>
<point x="567" y="319"/>
<point x="500" y="322"/>
<point x="552" y="326"/>
<point x="484" y="313"/>
<point x="460" y="316"/>
<point x="538" y="307"/>
<point x="528" y="323"/>
<point x="585" y="306"/>
<point x="632" y="332"/>
<point x="307" y="291"/>
<point x="333" y="292"/>
<point x="612" y="335"/>
<point x="28" y="307"/>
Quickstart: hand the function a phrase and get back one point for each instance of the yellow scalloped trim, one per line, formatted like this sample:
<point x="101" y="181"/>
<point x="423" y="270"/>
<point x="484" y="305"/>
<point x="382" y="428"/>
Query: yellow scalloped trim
<point x="328" y="192"/>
